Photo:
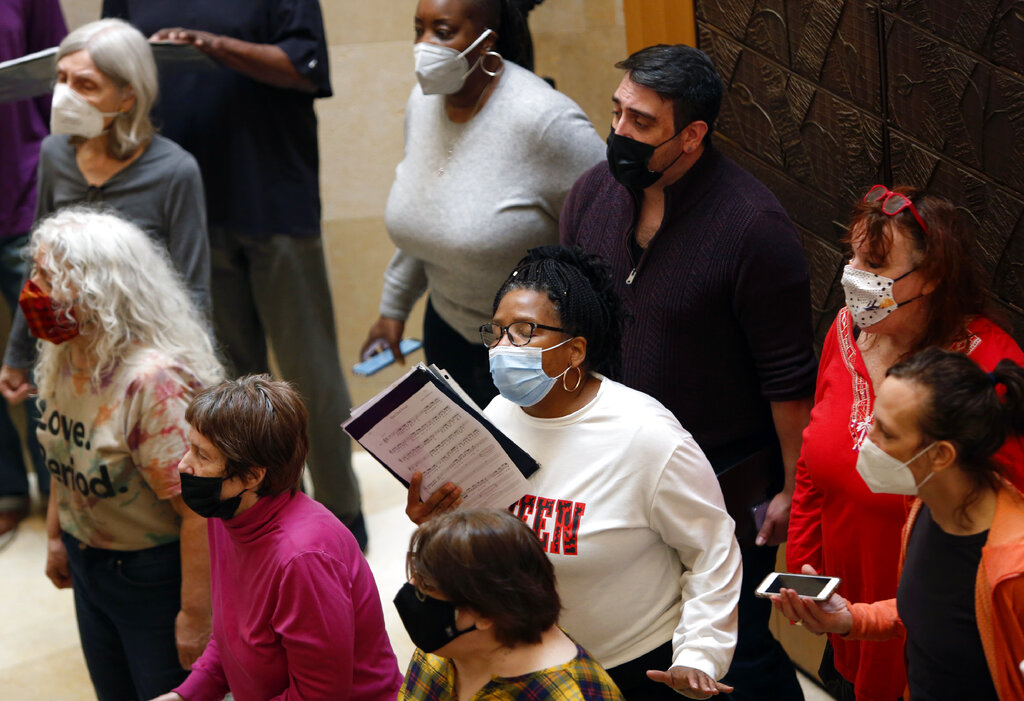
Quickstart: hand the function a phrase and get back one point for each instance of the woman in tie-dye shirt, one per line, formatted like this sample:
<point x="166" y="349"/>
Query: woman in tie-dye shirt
<point x="122" y="351"/>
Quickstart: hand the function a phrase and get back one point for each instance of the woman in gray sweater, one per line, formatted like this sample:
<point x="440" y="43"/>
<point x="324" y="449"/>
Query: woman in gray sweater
<point x="491" y="151"/>
<point x="103" y="150"/>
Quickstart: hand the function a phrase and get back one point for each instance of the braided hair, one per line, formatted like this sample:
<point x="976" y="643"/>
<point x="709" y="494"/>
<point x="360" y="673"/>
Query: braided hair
<point x="580" y="288"/>
<point x="509" y="21"/>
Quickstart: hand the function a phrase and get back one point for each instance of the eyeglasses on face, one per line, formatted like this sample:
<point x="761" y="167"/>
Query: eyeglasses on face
<point x="893" y="203"/>
<point x="519" y="332"/>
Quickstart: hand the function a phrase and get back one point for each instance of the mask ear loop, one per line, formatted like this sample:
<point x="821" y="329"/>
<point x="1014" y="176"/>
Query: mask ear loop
<point x="501" y="63"/>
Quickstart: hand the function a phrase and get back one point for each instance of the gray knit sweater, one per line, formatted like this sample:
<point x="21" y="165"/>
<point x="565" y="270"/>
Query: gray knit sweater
<point x="469" y="199"/>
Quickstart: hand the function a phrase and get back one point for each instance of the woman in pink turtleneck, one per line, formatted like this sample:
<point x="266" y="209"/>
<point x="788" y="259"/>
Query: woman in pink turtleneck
<point x="296" y="613"/>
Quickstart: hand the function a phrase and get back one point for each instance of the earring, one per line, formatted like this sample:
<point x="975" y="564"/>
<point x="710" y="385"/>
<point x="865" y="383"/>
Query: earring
<point x="501" y="63"/>
<point x="579" y="380"/>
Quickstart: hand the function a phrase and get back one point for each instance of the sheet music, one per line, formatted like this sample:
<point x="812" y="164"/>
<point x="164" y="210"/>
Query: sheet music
<point x="431" y="434"/>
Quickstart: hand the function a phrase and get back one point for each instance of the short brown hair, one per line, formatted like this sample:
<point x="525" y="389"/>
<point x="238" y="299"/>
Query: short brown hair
<point x="255" y="421"/>
<point x="490" y="562"/>
<point x="945" y="256"/>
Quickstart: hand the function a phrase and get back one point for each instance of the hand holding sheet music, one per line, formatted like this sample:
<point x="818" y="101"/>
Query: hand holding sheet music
<point x="421" y="424"/>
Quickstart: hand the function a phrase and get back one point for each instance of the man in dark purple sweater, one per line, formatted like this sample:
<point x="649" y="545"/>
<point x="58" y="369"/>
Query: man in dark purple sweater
<point x="712" y="270"/>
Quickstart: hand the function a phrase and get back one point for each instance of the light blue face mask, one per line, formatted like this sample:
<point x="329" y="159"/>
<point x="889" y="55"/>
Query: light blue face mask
<point x="518" y="373"/>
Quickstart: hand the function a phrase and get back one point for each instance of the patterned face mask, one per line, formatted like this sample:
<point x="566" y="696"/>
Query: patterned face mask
<point x="869" y="296"/>
<point x="45" y="320"/>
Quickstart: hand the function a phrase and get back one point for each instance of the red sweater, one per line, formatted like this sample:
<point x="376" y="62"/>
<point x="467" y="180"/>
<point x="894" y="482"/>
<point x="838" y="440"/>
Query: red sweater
<point x="837" y="524"/>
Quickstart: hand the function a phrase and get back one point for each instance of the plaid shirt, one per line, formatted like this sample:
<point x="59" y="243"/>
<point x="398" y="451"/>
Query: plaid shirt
<point x="432" y="678"/>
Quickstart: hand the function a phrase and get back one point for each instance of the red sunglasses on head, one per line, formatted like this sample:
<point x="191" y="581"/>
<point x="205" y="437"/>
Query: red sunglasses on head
<point x="893" y="203"/>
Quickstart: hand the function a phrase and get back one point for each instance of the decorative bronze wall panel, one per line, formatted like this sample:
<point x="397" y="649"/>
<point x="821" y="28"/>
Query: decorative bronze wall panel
<point x="794" y="125"/>
<point x="830" y="44"/>
<point x="990" y="28"/>
<point x="806" y="112"/>
<point x="965" y="108"/>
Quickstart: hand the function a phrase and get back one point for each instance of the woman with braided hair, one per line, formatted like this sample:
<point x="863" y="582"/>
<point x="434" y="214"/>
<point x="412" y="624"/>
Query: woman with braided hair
<point x="625" y="503"/>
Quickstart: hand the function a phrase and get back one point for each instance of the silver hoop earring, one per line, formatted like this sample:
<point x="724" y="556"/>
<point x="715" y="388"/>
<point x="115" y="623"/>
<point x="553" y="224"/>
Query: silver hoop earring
<point x="579" y="380"/>
<point x="501" y="63"/>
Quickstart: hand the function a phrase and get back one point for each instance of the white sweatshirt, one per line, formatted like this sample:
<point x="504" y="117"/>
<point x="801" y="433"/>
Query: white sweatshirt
<point x="632" y="516"/>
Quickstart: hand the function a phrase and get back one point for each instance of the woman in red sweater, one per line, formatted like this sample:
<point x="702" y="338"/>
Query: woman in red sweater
<point x="960" y="600"/>
<point x="911" y="283"/>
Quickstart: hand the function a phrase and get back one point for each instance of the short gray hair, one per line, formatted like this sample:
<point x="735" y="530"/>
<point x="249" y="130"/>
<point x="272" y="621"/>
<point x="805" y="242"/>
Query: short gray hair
<point x="121" y="53"/>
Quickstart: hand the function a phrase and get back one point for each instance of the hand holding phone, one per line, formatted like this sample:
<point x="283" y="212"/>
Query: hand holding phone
<point x="378" y="361"/>
<point x="814" y="587"/>
<point x="822" y="611"/>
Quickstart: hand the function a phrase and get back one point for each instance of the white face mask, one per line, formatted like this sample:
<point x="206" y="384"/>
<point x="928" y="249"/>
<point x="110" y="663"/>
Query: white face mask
<point x="70" y="113"/>
<point x="442" y="70"/>
<point x="869" y="296"/>
<point x="884" y="474"/>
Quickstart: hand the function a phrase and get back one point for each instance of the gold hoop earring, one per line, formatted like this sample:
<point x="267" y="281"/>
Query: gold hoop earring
<point x="579" y="379"/>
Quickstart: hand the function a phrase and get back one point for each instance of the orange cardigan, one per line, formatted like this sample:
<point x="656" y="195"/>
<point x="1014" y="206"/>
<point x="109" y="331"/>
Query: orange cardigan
<point x="998" y="596"/>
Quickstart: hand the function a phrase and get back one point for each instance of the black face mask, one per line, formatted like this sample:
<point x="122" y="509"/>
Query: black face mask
<point x="202" y="495"/>
<point x="628" y="160"/>
<point x="430" y="622"/>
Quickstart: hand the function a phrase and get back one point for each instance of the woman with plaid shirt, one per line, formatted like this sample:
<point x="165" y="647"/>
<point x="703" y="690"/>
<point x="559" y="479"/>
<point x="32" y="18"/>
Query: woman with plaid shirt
<point x="482" y="608"/>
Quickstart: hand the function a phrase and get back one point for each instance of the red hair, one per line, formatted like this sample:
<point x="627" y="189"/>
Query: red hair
<point x="944" y="258"/>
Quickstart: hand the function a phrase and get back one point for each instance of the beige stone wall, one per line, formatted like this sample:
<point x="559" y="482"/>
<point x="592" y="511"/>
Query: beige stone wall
<point x="576" y="42"/>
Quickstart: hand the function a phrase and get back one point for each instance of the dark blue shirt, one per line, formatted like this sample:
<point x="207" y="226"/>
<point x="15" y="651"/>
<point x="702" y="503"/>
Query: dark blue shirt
<point x="256" y="144"/>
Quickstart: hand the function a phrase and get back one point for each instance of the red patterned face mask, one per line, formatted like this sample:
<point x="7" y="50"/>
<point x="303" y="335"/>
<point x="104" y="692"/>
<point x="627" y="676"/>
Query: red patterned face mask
<point x="44" y="321"/>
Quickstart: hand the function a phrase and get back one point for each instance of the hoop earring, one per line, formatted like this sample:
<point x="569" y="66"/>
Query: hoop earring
<point x="501" y="63"/>
<point x="579" y="380"/>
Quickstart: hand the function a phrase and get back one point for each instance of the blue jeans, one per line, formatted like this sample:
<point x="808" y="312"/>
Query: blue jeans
<point x="126" y="603"/>
<point x="13" y="479"/>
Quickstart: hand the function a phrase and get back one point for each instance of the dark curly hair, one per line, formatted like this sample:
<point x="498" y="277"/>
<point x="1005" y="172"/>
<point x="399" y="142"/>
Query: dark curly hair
<point x="580" y="287"/>
<point x="507" y="19"/>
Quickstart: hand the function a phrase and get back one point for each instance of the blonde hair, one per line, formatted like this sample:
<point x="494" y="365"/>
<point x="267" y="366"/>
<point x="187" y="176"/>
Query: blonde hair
<point x="125" y="294"/>
<point x="121" y="53"/>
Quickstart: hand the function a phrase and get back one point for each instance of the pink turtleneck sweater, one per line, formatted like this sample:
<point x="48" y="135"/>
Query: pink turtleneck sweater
<point x="296" y="613"/>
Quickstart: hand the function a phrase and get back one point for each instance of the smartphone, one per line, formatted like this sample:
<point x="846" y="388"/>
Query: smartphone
<point x="379" y="361"/>
<point x="813" y="587"/>
<point x="760" y="512"/>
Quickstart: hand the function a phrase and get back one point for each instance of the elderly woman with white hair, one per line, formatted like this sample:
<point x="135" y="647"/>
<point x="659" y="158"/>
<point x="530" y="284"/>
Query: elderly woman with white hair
<point x="103" y="150"/>
<point x="122" y="351"/>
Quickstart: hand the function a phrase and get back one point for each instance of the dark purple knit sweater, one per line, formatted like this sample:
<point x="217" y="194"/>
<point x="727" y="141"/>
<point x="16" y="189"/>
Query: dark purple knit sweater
<point x="720" y="298"/>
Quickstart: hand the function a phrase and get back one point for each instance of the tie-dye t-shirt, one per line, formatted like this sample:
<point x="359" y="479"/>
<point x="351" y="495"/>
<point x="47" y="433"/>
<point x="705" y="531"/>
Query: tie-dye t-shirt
<point x="113" y="450"/>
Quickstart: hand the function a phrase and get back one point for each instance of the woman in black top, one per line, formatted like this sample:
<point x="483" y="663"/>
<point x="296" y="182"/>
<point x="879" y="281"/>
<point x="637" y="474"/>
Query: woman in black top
<point x="938" y="421"/>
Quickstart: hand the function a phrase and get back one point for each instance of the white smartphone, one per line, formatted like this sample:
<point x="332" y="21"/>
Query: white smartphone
<point x="813" y="587"/>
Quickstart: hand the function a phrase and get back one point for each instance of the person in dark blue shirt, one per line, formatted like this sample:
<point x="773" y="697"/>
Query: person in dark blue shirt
<point x="250" y="124"/>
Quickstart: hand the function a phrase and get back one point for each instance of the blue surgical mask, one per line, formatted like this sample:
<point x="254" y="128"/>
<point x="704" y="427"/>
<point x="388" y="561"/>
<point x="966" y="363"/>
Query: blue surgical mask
<point x="518" y="373"/>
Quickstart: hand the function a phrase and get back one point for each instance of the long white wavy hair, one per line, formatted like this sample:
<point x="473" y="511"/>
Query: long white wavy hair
<point x="125" y="294"/>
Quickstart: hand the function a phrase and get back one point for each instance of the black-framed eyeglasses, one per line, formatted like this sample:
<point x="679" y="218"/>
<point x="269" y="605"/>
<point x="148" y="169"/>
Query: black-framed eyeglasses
<point x="519" y="332"/>
<point x="893" y="203"/>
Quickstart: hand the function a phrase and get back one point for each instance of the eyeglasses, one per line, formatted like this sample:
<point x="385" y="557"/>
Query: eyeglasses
<point x="519" y="332"/>
<point x="893" y="203"/>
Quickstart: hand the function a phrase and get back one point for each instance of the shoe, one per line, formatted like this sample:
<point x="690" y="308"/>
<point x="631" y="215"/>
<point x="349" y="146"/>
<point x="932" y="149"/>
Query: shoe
<point x="358" y="528"/>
